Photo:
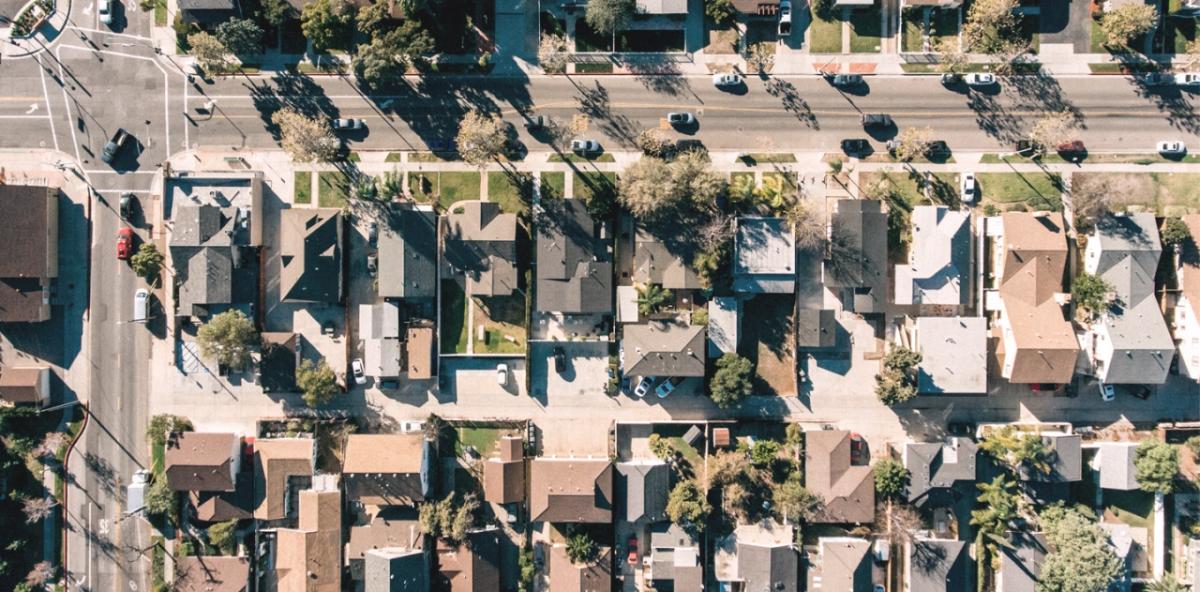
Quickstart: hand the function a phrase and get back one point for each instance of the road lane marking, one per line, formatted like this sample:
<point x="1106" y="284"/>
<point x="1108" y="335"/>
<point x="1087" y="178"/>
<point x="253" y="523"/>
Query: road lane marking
<point x="46" y="97"/>
<point x="32" y="107"/>
<point x="24" y="116"/>
<point x="109" y="33"/>
<point x="62" y="76"/>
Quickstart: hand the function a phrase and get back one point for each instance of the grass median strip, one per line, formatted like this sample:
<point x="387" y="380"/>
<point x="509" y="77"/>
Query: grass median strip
<point x="303" y="188"/>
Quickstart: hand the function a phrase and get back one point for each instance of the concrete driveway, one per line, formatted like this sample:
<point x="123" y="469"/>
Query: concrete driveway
<point x="585" y="375"/>
<point x="464" y="379"/>
<point x="1066" y="22"/>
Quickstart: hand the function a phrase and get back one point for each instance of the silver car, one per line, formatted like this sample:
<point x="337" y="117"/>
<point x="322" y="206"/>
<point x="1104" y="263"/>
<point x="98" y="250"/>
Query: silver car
<point x="1172" y="148"/>
<point x="584" y="146"/>
<point x="349" y="124"/>
<point x="980" y="79"/>
<point x="681" y="118"/>
<point x="726" y="79"/>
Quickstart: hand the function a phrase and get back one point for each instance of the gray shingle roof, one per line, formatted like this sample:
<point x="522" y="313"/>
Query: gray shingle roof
<point x="844" y="566"/>
<point x="655" y="262"/>
<point x="1020" y="566"/>
<point x="764" y="256"/>
<point x="938" y="466"/>
<point x="940" y="266"/>
<point x="396" y="570"/>
<point x="816" y="328"/>
<point x="675" y="558"/>
<point x="936" y="565"/>
<point x="642" y="490"/>
<point x="1116" y="466"/>
<point x="858" y="251"/>
<point x="481" y="242"/>
<point x="774" y="568"/>
<point x="574" y="264"/>
<point x="408" y="253"/>
<point x="664" y="348"/>
<point x="1065" y="458"/>
<point x="311" y="255"/>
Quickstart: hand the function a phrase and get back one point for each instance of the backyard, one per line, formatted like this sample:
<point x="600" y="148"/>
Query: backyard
<point x="767" y="341"/>
<point x="499" y="324"/>
<point x="482" y="439"/>
<point x="453" y="318"/>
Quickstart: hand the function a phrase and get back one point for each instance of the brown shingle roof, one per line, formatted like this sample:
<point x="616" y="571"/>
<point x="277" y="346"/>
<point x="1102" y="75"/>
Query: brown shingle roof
<point x="384" y="533"/>
<point x="309" y="558"/>
<point x="571" y="490"/>
<point x="202" y="461"/>
<point x="275" y="461"/>
<point x="848" y="491"/>
<point x="30" y="246"/>
<point x="21" y="385"/>
<point x="1190" y="259"/>
<point x="211" y="574"/>
<point x="384" y="468"/>
<point x="566" y="576"/>
<point x="473" y="566"/>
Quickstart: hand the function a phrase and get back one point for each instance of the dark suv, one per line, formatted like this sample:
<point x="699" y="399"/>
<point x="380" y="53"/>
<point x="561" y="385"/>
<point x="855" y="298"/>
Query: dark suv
<point x="876" y="120"/>
<point x="114" y="146"/>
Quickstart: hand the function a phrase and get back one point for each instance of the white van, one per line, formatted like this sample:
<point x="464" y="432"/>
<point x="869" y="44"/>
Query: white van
<point x="141" y="305"/>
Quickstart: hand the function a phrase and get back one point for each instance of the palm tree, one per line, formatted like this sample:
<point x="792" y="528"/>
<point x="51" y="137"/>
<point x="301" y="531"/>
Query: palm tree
<point x="742" y="188"/>
<point x="998" y="507"/>
<point x="652" y="298"/>
<point x="773" y="192"/>
<point x="1167" y="584"/>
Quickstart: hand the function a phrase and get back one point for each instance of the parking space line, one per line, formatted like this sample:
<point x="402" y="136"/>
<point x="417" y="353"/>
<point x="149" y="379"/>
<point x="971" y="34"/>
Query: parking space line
<point x="67" y="103"/>
<point x="78" y="28"/>
<point x="46" y="97"/>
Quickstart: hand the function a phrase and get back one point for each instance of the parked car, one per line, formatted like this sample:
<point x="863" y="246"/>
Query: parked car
<point x="1187" y="79"/>
<point x="126" y="203"/>
<point x="960" y="428"/>
<point x="560" y="360"/>
<point x="373" y="234"/>
<point x="536" y="122"/>
<point x="356" y="368"/>
<point x="846" y="80"/>
<point x="870" y="120"/>
<point x="980" y="79"/>
<point x="1107" y="392"/>
<point x="667" y="387"/>
<point x="124" y="243"/>
<point x="585" y="146"/>
<point x="726" y="80"/>
<point x="141" y="305"/>
<point x="1142" y="392"/>
<point x="643" y="386"/>
<point x="681" y="118"/>
<point x="135" y="492"/>
<point x="114" y="145"/>
<point x="785" y="18"/>
<point x="1172" y="148"/>
<point x="1073" y="150"/>
<point x="968" y="188"/>
<point x="349" y="124"/>
<point x="856" y="146"/>
<point x="104" y="10"/>
<point x="502" y="374"/>
<point x="951" y="79"/>
<point x="1158" y="79"/>
<point x="373" y="264"/>
<point x="633" y="550"/>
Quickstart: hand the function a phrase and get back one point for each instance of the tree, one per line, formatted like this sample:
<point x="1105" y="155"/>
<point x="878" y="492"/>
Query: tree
<point x="1168" y="583"/>
<point x="712" y="263"/>
<point x="763" y="453"/>
<point x="913" y="142"/>
<point x="774" y="192"/>
<point x="1156" y="464"/>
<point x="160" y="499"/>
<point x="41" y="574"/>
<point x="808" y="227"/>
<point x="991" y="26"/>
<point x="50" y="445"/>
<point x="900" y="523"/>
<point x="1053" y="129"/>
<point x="1193" y="54"/>
<point x="891" y="478"/>
<point x="997" y="507"/>
<point x="687" y="505"/>
<point x="647" y="188"/>
<point x="606" y="16"/>
<point x="274" y="12"/>
<point x="951" y="58"/>
<point x="316" y="382"/>
<point x="325" y="23"/>
<point x="163" y="425"/>
<point x="209" y="52"/>
<point x="481" y="138"/>
<point x="1080" y="557"/>
<point x="653" y="142"/>
<point x="462" y="519"/>
<point x="222" y="536"/>
<point x="1175" y="232"/>
<point x="732" y="381"/>
<point x="228" y="337"/>
<point x="37" y="508"/>
<point x="652" y="298"/>
<point x="720" y="11"/>
<point x="385" y="60"/>
<point x="554" y="52"/>
<point x="793" y="501"/>
<point x="1127" y="21"/>
<point x="1193" y="444"/>
<point x="581" y="548"/>
<point x="726" y="466"/>
<point x="369" y="19"/>
<point x="305" y="138"/>
<point x="693" y="175"/>
<point x="1091" y="197"/>
<point x="528" y="569"/>
<point x="147" y="262"/>
<point x="1017" y="449"/>
<point x="240" y="36"/>
<point x="661" y="447"/>
<point x="897" y="382"/>
<point x="1090" y="293"/>
<point x="761" y="58"/>
<point x="448" y="520"/>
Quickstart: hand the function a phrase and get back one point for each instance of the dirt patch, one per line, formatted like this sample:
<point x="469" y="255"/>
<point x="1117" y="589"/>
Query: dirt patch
<point x="768" y="341"/>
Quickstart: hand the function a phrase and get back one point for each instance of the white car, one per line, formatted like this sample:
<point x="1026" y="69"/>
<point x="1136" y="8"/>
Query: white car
<point x="502" y="374"/>
<point x="726" y="79"/>
<point x="104" y="10"/>
<point x="1107" y="392"/>
<point x="349" y="124"/>
<point x="1187" y="79"/>
<point x="980" y="79"/>
<point x="643" y="386"/>
<point x="968" y="188"/>
<point x="681" y="118"/>
<point x="584" y="146"/>
<point x="360" y="375"/>
<point x="1172" y="148"/>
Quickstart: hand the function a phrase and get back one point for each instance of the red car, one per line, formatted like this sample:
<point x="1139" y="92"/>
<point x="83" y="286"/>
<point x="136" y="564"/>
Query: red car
<point x="633" y="555"/>
<point x="124" y="243"/>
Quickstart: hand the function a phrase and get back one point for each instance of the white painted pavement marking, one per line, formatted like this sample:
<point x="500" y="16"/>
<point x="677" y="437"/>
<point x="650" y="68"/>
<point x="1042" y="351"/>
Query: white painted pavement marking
<point x="67" y="102"/>
<point x="32" y="107"/>
<point x="24" y="116"/>
<point x="46" y="97"/>
<point x="111" y="33"/>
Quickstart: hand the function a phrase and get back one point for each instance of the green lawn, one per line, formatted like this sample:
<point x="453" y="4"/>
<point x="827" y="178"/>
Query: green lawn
<point x="943" y="24"/>
<point x="1134" y="508"/>
<point x="333" y="189"/>
<point x="754" y="158"/>
<point x="866" y="27"/>
<point x="482" y="439"/>
<point x="503" y="320"/>
<point x="602" y="157"/>
<point x="1165" y="194"/>
<point x="448" y="187"/>
<point x="825" y="36"/>
<point x="554" y="185"/>
<point x="914" y="21"/>
<point x="303" y="187"/>
<point x="1035" y="191"/>
<point x="689" y="452"/>
<point x="502" y="191"/>
<point x="454" y="318"/>
<point x="160" y="13"/>
<point x="428" y="157"/>
<point x="1097" y="37"/>
<point x="157" y="460"/>
<point x="1180" y="30"/>
<point x="585" y="184"/>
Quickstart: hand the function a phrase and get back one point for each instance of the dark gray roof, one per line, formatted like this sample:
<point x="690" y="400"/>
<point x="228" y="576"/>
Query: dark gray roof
<point x="311" y="255"/>
<point x="574" y="264"/>
<point x="30" y="246"/>
<point x="481" y="241"/>
<point x="1020" y="565"/>
<point x="656" y="262"/>
<point x="642" y="490"/>
<point x="205" y="241"/>
<point x="664" y="348"/>
<point x="1065" y="460"/>
<point x="816" y="328"/>
<point x="936" y="565"/>
<point x="843" y="565"/>
<point x="208" y="5"/>
<point x="396" y="570"/>
<point x="938" y="466"/>
<point x="408" y="253"/>
<point x="776" y="568"/>
<point x="858" y="250"/>
<point x="675" y="558"/>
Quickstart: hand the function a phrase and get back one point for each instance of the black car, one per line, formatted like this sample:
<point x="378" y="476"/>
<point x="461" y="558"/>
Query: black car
<point x="1142" y="392"/>
<point x="876" y="120"/>
<point x="856" y="146"/>
<point x="127" y="205"/>
<point x="114" y="146"/>
<point x="961" y="428"/>
<point x="560" y="360"/>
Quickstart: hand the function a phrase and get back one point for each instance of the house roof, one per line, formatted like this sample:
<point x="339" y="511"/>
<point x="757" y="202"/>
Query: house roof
<point x="574" y="261"/>
<point x="936" y="565"/>
<point x="1116" y="466"/>
<point x="201" y="461"/>
<point x="308" y="558"/>
<point x="1021" y="564"/>
<point x="419" y="351"/>
<point x="219" y="506"/>
<point x="379" y="330"/>
<point x="1065" y="457"/>
<point x="642" y="490"/>
<point x="383" y="532"/>
<point x="566" y="576"/>
<point x="276" y="461"/>
<point x="473" y="566"/>
<point x="204" y="276"/>
<point x="481" y="242"/>
<point x="1189" y="276"/>
<point x="1124" y="251"/>
<point x="664" y="348"/>
<point x="939" y="270"/>
<point x="858" y="249"/>
<point x="662" y="6"/>
<point x="657" y="262"/>
<point x="816" y="328"/>
<point x="953" y="355"/>
<point x="938" y="465"/>
<point x="30" y="231"/>
<point x="211" y="573"/>
<point x="408" y="253"/>
<point x="310" y="252"/>
<point x="1035" y="258"/>
<point x="571" y="490"/>
<point x="764" y="256"/>
<point x="504" y="475"/>
<point x="395" y="570"/>
<point x="724" y="324"/>
<point x="21" y="385"/>
<point x="766" y="559"/>
<point x="848" y="491"/>
<point x="385" y="468"/>
<point x="675" y="558"/>
<point x="844" y="566"/>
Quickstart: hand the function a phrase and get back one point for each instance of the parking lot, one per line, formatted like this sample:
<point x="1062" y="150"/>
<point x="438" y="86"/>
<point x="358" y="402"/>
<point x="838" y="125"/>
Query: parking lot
<point x="583" y="378"/>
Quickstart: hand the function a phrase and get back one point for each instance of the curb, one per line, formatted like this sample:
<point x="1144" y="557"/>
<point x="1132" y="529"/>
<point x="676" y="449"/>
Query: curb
<point x="87" y="416"/>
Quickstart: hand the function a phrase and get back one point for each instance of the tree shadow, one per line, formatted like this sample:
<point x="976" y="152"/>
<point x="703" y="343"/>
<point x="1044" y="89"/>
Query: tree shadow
<point x="660" y="76"/>
<point x="595" y="103"/>
<point x="792" y="102"/>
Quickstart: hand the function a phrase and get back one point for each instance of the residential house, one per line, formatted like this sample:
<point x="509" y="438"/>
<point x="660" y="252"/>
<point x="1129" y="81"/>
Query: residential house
<point x="841" y="564"/>
<point x="419" y="352"/>
<point x="940" y="473"/>
<point x="760" y="556"/>
<point x="29" y="242"/>
<point x="24" y="386"/>
<point x="574" y="260"/>
<point x="675" y="560"/>
<point x="938" y="565"/>
<point x="480" y="242"/>
<point x="816" y="328"/>
<point x="310" y="253"/>
<point x="408" y="253"/>
<point x="208" y="12"/>
<point x="571" y="490"/>
<point x="1131" y="545"/>
<point x="1132" y="345"/>
<point x="724" y="325"/>
<point x="203" y="461"/>
<point x="953" y="355"/>
<point x="473" y="566"/>
<point x="568" y="576"/>
<point x="504" y="474"/>
<point x="1064" y="460"/>
<point x="845" y="485"/>
<point x="663" y="348"/>
<point x="1021" y="562"/>
<point x="857" y="265"/>
<point x="308" y="558"/>
<point x="764" y="256"/>
<point x="659" y="261"/>
<point x="282" y="468"/>
<point x="641" y="492"/>
<point x="396" y="570"/>
<point x="1187" y="308"/>
<point x="1114" y="462"/>
<point x="401" y="541"/>
<point x="1037" y="345"/>
<point x="939" y="269"/>
<point x="388" y="469"/>
<point x="661" y="7"/>
<point x="220" y="506"/>
<point x="211" y="573"/>
<point x="379" y="331"/>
